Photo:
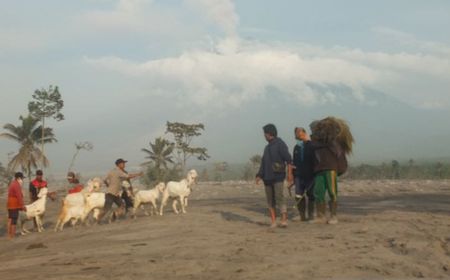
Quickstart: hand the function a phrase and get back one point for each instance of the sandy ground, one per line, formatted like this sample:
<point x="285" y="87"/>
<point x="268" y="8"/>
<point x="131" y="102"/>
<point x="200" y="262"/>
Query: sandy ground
<point x="387" y="230"/>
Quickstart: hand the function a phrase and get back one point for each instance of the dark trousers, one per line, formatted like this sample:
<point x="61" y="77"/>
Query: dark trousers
<point x="302" y="186"/>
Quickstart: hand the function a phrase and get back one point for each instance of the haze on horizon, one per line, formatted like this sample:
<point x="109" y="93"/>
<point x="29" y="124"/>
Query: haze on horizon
<point x="125" y="67"/>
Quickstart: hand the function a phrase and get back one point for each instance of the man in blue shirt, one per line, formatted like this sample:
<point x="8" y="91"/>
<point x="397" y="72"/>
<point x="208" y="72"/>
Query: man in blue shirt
<point x="302" y="174"/>
<point x="272" y="172"/>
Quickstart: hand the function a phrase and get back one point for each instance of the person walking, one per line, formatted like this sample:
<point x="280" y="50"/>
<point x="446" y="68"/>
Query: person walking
<point x="15" y="203"/>
<point x="332" y="141"/>
<point x="302" y="174"/>
<point x="272" y="172"/>
<point x="114" y="181"/>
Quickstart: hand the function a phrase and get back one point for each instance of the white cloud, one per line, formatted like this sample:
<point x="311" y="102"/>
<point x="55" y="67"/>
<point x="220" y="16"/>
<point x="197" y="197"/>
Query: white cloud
<point x="140" y="17"/>
<point x="236" y="71"/>
<point x="246" y="74"/>
<point x="221" y="12"/>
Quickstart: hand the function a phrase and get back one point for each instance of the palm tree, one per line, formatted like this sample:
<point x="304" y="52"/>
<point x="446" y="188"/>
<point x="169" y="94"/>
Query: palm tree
<point x="28" y="135"/>
<point x="160" y="153"/>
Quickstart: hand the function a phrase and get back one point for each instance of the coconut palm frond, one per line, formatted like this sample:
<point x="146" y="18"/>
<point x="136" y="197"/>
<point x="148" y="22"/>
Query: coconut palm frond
<point x="10" y="136"/>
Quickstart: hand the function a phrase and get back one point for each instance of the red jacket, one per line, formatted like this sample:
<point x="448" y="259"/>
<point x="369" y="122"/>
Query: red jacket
<point x="76" y="189"/>
<point x="35" y="186"/>
<point x="15" y="196"/>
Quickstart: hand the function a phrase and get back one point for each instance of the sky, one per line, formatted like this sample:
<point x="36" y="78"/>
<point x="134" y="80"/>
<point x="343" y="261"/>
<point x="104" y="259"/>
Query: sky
<point x="125" y="67"/>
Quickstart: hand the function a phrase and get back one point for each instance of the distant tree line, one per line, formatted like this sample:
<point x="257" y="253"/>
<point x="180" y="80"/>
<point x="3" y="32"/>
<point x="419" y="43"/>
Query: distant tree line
<point x="397" y="170"/>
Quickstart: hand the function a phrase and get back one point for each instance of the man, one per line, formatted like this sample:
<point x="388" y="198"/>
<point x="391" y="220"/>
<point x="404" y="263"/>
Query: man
<point x="273" y="172"/>
<point x="74" y="183"/>
<point x="302" y="174"/>
<point x="36" y="185"/>
<point x="15" y="203"/>
<point x="332" y="141"/>
<point x="114" y="181"/>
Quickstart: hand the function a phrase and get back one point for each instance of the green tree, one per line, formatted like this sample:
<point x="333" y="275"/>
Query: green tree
<point x="256" y="162"/>
<point x="87" y="146"/>
<point x="159" y="156"/>
<point x="183" y="135"/>
<point x="5" y="176"/>
<point x="395" y="169"/>
<point x="28" y="134"/>
<point x="204" y="176"/>
<point x="220" y="168"/>
<point x="439" y="167"/>
<point x="46" y="104"/>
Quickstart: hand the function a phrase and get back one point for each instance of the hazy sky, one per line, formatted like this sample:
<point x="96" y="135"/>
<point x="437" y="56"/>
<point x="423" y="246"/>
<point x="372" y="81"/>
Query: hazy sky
<point x="126" y="67"/>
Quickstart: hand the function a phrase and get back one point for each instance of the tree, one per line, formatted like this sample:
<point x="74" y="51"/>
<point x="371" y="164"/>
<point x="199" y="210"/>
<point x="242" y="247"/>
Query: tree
<point x="439" y="167"/>
<point x="159" y="155"/>
<point x="204" y="176"/>
<point x="46" y="104"/>
<point x="87" y="146"/>
<point x="395" y="169"/>
<point x="28" y="135"/>
<point x="220" y="168"/>
<point x="5" y="176"/>
<point x="256" y="162"/>
<point x="183" y="135"/>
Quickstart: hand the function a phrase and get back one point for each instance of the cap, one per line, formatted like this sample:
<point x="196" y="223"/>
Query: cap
<point x="71" y="175"/>
<point x="120" y="160"/>
<point x="39" y="173"/>
<point x="18" y="175"/>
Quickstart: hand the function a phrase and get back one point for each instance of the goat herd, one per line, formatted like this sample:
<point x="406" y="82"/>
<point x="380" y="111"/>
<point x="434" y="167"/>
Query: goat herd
<point x="78" y="206"/>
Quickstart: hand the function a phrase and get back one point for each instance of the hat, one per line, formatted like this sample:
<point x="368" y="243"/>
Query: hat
<point x="18" y="175"/>
<point x="270" y="129"/>
<point x="120" y="160"/>
<point x="39" y="172"/>
<point x="71" y="175"/>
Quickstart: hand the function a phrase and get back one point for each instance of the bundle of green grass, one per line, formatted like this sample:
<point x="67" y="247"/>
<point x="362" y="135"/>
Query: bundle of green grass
<point x="332" y="129"/>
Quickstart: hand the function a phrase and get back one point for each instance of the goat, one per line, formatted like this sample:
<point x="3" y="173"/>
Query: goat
<point x="73" y="205"/>
<point x="148" y="197"/>
<point x="96" y="202"/>
<point x="35" y="211"/>
<point x="178" y="190"/>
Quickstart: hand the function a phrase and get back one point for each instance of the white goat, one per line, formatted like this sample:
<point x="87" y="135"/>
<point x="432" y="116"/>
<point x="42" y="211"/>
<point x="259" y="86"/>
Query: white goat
<point x="178" y="190"/>
<point x="35" y="211"/>
<point x="148" y="197"/>
<point x="73" y="205"/>
<point x="96" y="202"/>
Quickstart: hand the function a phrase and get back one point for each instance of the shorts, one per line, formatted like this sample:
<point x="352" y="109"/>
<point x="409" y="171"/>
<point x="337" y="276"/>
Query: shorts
<point x="13" y="214"/>
<point x="275" y="196"/>
<point x="110" y="199"/>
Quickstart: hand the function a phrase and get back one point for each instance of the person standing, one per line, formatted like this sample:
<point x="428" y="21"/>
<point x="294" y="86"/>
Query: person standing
<point x="15" y="203"/>
<point x="74" y="183"/>
<point x="332" y="141"/>
<point x="272" y="172"/>
<point x="302" y="174"/>
<point x="36" y="185"/>
<point x="114" y="181"/>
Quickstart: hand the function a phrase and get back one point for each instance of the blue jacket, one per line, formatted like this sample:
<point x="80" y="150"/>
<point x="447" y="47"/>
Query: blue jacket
<point x="275" y="151"/>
